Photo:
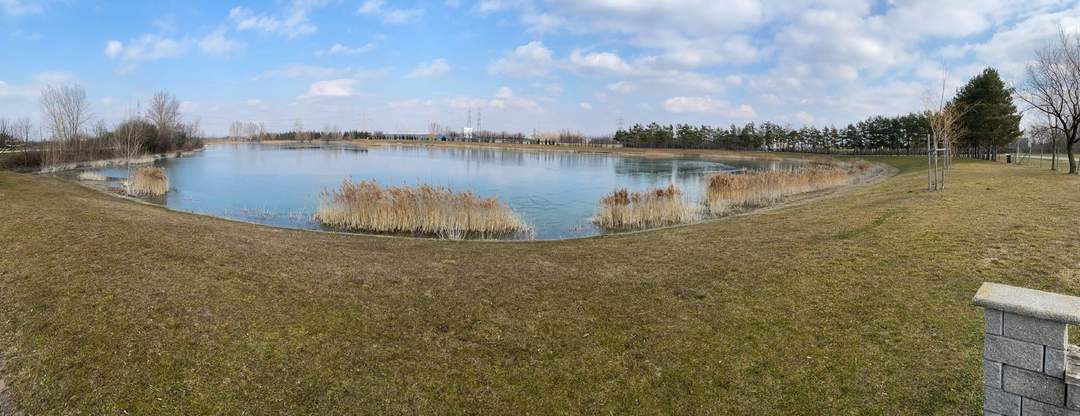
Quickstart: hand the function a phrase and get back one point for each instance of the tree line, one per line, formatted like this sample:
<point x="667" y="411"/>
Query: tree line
<point x="69" y="133"/>
<point x="987" y="121"/>
<point x="902" y="134"/>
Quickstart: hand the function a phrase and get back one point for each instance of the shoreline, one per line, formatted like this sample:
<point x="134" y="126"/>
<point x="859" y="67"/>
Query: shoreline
<point x="104" y="163"/>
<point x="884" y="172"/>
<point x="639" y="151"/>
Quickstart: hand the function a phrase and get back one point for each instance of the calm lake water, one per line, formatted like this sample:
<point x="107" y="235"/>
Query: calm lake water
<point x="555" y="192"/>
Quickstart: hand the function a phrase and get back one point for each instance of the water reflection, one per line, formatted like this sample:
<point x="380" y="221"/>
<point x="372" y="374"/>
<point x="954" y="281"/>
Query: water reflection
<point x="555" y="192"/>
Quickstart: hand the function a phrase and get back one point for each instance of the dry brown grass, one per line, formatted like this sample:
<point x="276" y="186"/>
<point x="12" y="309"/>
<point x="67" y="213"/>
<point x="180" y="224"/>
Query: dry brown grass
<point x="729" y="192"/>
<point x="183" y="314"/>
<point x="422" y="210"/>
<point x="658" y="207"/>
<point x="148" y="181"/>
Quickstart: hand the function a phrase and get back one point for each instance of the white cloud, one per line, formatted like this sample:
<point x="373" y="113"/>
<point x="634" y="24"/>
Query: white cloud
<point x="585" y="106"/>
<point x="599" y="61"/>
<point x="113" y="48"/>
<point x="165" y="24"/>
<point x="143" y="49"/>
<point x="312" y="72"/>
<point x="490" y="6"/>
<point x="622" y="87"/>
<point x="16" y="8"/>
<point x="804" y="118"/>
<point x="503" y="98"/>
<point x="504" y="93"/>
<point x="333" y="88"/>
<point x="542" y="22"/>
<point x="687" y="32"/>
<point x="552" y="88"/>
<point x="33" y="88"/>
<point x="694" y="16"/>
<point x="339" y="49"/>
<point x="409" y="104"/>
<point x="378" y="8"/>
<point x="293" y="22"/>
<point x="433" y="68"/>
<point x="217" y="43"/>
<point x="528" y="60"/>
<point x="707" y="105"/>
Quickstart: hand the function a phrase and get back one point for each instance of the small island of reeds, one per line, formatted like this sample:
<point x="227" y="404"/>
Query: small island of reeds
<point x="148" y="181"/>
<point x="725" y="194"/>
<point x="657" y="207"/>
<point x="421" y="211"/>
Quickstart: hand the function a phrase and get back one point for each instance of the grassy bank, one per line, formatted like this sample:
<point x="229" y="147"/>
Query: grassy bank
<point x="854" y="304"/>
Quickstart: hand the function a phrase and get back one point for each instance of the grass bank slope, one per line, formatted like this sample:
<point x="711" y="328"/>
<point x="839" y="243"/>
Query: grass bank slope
<point x="854" y="304"/>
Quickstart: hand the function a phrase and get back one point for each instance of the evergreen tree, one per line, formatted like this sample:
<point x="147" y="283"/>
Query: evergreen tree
<point x="988" y="119"/>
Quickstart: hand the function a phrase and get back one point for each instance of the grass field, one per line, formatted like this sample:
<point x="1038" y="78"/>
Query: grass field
<point x="858" y="303"/>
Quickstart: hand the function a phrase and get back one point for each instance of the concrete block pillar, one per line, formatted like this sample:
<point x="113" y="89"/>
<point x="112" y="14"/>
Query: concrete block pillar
<point x="1027" y="362"/>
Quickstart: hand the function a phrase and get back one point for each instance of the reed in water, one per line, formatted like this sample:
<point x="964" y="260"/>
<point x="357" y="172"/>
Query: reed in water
<point x="91" y="176"/>
<point x="421" y="210"/>
<point x="658" y="207"/>
<point x="148" y="181"/>
<point x="727" y="192"/>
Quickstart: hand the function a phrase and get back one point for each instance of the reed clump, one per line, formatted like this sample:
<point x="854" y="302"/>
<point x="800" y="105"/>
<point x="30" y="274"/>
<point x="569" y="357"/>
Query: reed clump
<point x="148" y="181"/>
<point x="657" y="207"/>
<point x="729" y="192"/>
<point x="91" y="176"/>
<point x="422" y="210"/>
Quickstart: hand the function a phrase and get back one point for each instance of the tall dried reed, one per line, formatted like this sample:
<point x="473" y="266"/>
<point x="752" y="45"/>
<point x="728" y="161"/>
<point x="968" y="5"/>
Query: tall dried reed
<point x="422" y="210"/>
<point x="658" y="207"/>
<point x="729" y="192"/>
<point x="91" y="176"/>
<point x="148" y="181"/>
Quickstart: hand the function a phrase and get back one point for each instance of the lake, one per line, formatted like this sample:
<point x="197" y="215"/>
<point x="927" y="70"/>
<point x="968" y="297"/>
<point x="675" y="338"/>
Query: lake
<point x="555" y="192"/>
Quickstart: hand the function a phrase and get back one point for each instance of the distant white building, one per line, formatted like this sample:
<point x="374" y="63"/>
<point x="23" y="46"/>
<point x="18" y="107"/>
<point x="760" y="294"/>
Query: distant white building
<point x="467" y="132"/>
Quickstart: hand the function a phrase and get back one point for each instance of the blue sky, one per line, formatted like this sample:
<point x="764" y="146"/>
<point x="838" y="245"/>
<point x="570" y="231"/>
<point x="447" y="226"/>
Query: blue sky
<point x="525" y="64"/>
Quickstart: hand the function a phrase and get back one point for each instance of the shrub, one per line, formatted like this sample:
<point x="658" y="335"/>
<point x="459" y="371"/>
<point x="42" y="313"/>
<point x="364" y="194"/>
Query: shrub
<point x="21" y="161"/>
<point x="657" y="207"/>
<point x="422" y="210"/>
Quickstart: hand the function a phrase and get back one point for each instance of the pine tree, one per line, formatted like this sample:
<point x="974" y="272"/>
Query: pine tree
<point x="988" y="119"/>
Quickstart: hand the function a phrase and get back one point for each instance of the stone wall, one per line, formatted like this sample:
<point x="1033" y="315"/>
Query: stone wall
<point x="1026" y="353"/>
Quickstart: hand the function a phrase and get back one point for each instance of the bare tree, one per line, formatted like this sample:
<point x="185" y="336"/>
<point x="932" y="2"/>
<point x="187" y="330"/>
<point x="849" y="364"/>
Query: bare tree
<point x="128" y="138"/>
<point x="65" y="112"/>
<point x="1052" y="86"/>
<point x="192" y="129"/>
<point x="22" y="129"/>
<point x="5" y="133"/>
<point x="236" y="129"/>
<point x="1046" y="134"/>
<point x="301" y="135"/>
<point x="164" y="113"/>
<point x="330" y="132"/>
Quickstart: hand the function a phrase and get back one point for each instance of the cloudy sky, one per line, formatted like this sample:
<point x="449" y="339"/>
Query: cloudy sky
<point x="525" y="64"/>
